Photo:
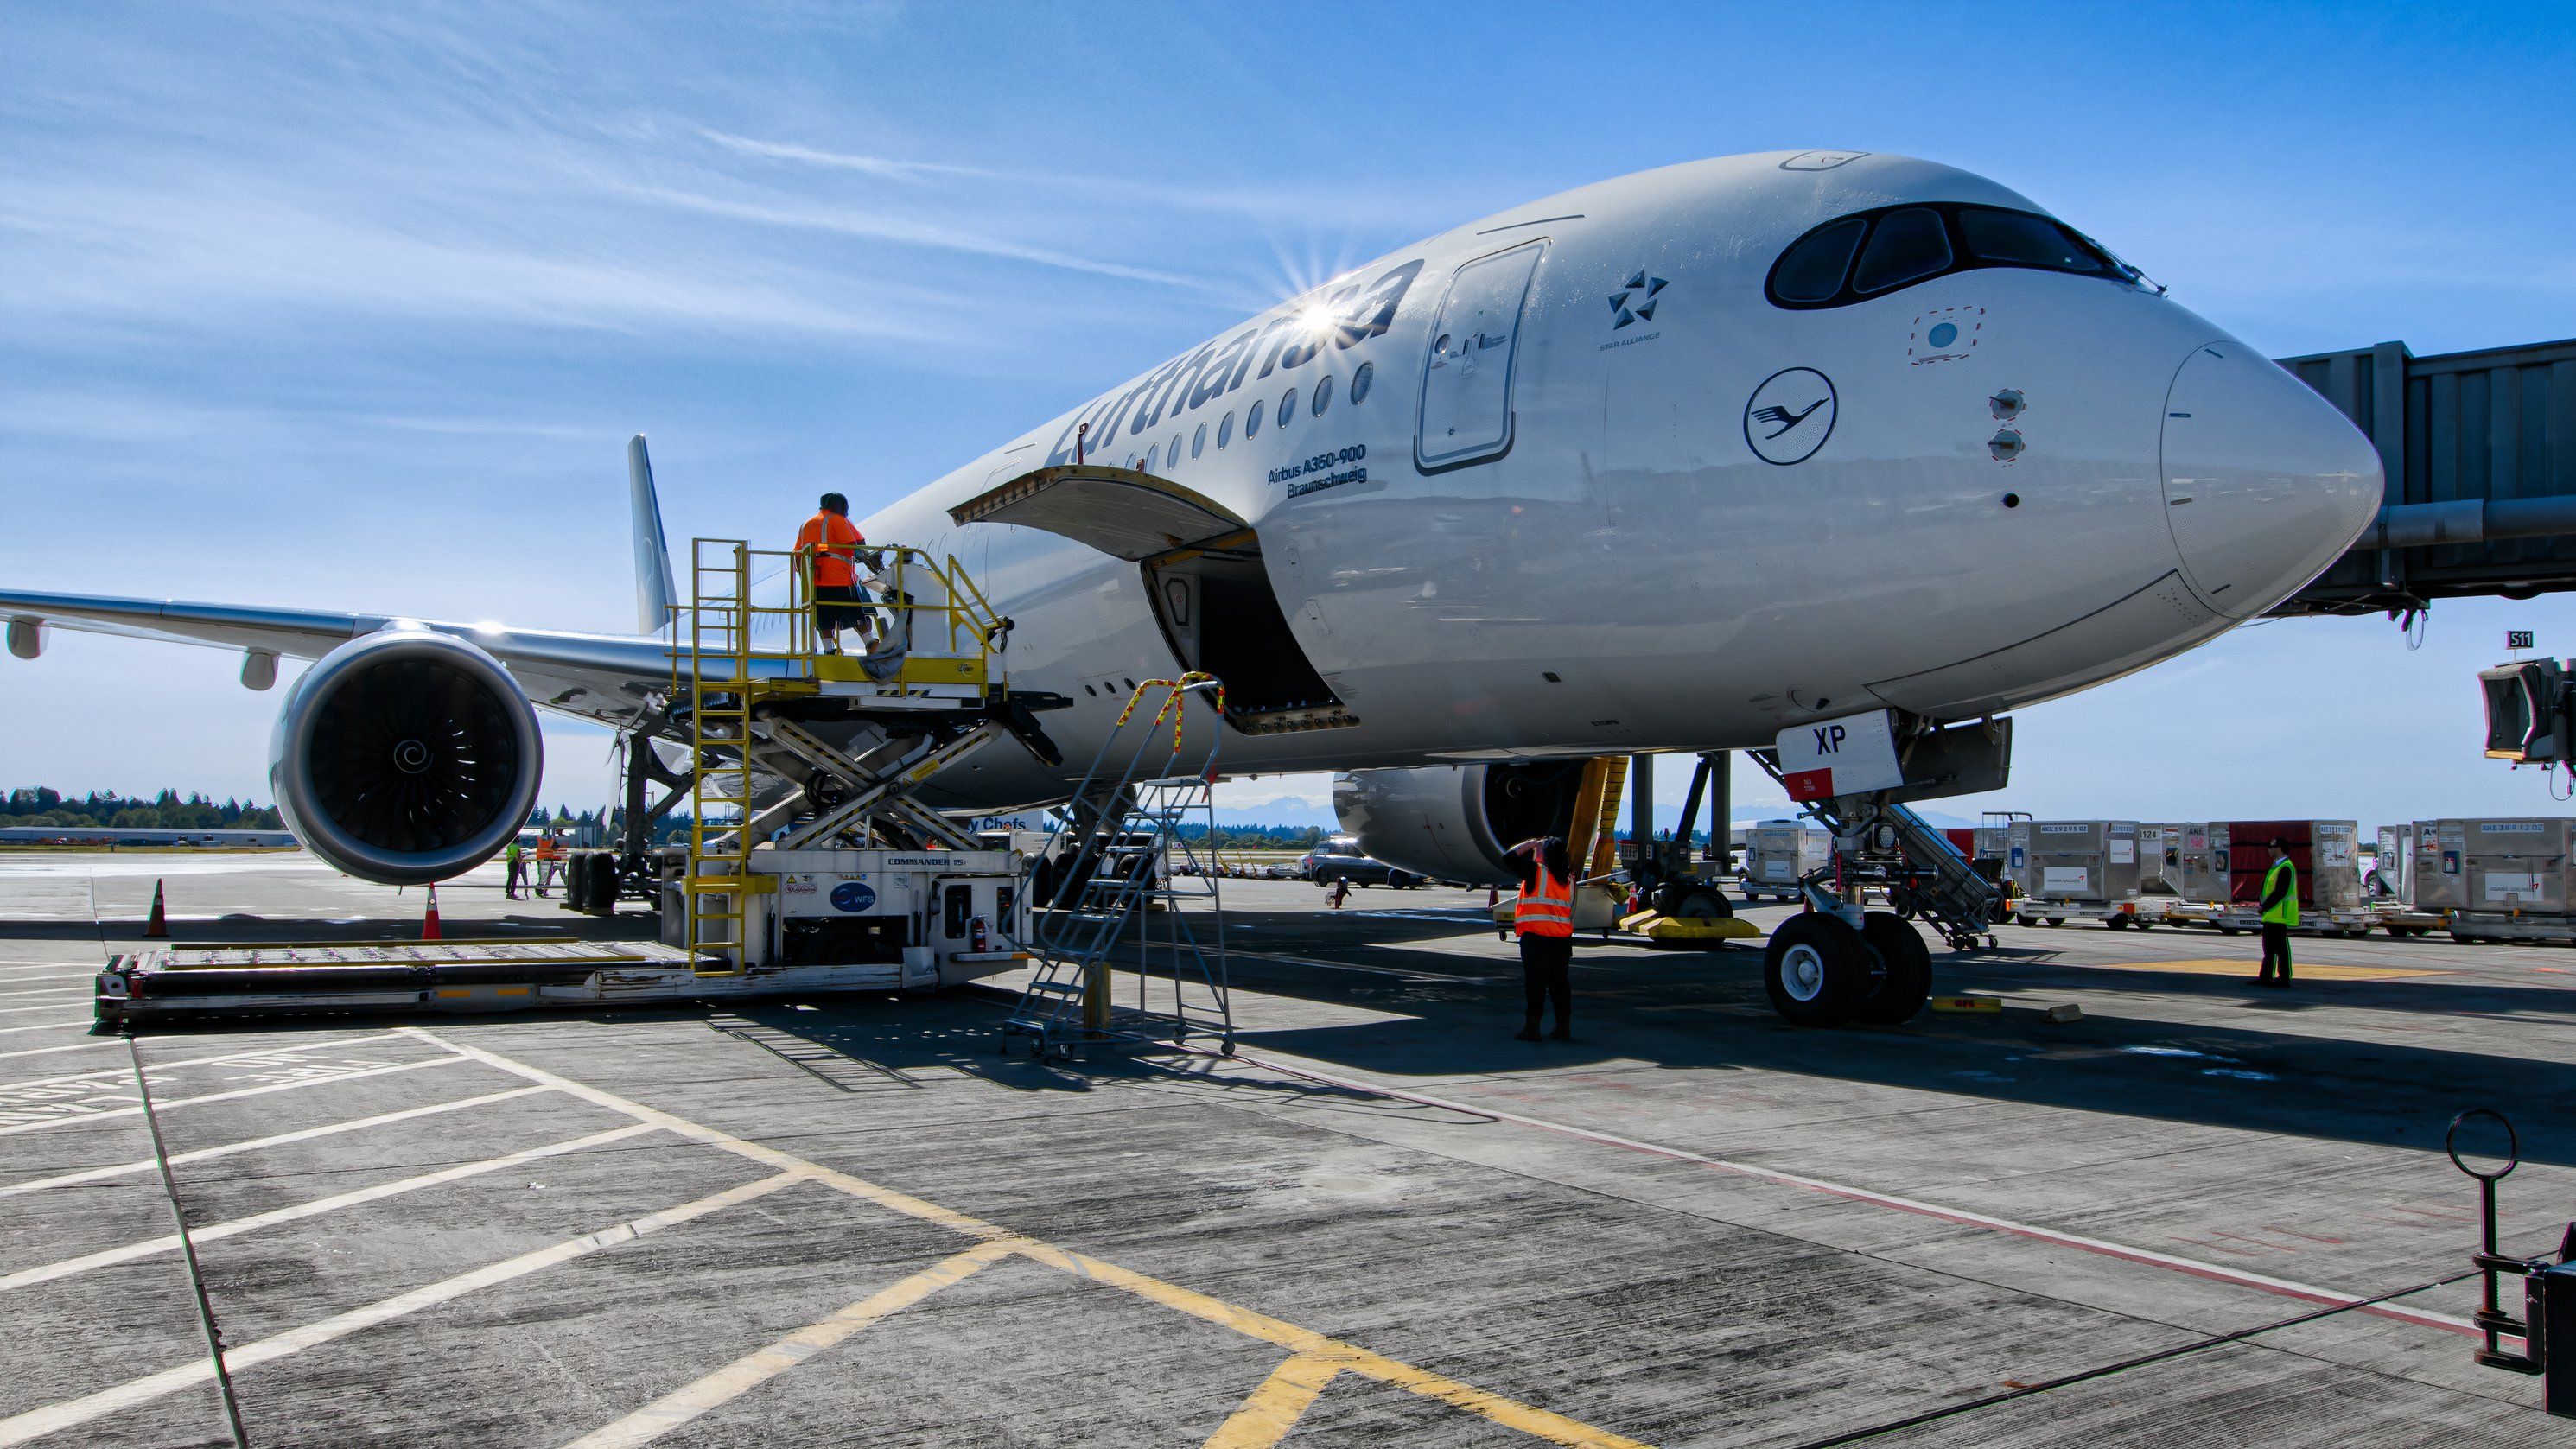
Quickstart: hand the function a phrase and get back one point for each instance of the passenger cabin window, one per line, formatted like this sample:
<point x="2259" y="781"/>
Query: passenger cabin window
<point x="1873" y="253"/>
<point x="1360" y="381"/>
<point x="1252" y="419"/>
<point x="1198" y="441"/>
<point x="1287" y="406"/>
<point x="1225" y="431"/>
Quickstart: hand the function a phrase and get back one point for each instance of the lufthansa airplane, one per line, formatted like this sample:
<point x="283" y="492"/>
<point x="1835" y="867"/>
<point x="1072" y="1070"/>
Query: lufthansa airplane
<point x="1671" y="462"/>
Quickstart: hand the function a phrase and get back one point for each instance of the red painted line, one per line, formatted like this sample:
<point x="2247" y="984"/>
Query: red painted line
<point x="2147" y="1257"/>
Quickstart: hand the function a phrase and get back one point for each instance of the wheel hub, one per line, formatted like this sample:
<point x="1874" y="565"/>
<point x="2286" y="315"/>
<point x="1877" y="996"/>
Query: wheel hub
<point x="1802" y="973"/>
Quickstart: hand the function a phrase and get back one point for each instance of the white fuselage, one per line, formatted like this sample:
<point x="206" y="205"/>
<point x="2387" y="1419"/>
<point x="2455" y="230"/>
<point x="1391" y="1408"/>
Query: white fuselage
<point x="1579" y="541"/>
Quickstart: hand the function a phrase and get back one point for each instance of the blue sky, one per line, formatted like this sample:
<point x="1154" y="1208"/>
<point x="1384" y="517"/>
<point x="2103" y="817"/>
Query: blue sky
<point x="350" y="308"/>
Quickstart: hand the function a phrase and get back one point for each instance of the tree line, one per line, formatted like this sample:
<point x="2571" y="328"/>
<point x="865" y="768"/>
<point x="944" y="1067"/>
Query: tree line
<point x="39" y="806"/>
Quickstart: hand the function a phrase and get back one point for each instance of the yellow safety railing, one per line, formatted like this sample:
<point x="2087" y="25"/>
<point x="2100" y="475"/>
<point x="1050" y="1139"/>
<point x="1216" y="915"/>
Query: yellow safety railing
<point x="730" y="652"/>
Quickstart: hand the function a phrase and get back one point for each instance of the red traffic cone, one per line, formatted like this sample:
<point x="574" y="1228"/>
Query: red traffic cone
<point x="158" y="927"/>
<point x="429" y="923"/>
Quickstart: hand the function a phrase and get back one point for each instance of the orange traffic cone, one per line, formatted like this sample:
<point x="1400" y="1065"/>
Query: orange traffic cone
<point x="158" y="927"/>
<point x="429" y="924"/>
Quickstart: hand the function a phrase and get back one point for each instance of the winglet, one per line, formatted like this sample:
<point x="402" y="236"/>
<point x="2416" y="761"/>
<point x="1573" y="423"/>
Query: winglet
<point x="653" y="590"/>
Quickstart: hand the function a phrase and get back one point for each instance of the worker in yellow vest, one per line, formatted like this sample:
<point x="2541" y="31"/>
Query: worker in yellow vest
<point x="2280" y="913"/>
<point x="1543" y="918"/>
<point x="515" y="860"/>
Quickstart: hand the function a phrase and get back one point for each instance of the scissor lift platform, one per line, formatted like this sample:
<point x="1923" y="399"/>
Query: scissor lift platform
<point x="450" y="976"/>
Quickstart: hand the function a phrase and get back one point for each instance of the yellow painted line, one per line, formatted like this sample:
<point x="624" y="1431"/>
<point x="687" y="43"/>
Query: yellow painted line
<point x="1274" y="1408"/>
<point x="749" y="1372"/>
<point x="1305" y="1342"/>
<point x="2246" y="966"/>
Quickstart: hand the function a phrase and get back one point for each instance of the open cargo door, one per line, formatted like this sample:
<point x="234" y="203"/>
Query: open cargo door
<point x="1203" y="571"/>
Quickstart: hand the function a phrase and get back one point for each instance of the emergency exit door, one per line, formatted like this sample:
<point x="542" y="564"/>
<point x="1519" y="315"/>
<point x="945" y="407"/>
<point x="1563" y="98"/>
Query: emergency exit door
<point x="1466" y="414"/>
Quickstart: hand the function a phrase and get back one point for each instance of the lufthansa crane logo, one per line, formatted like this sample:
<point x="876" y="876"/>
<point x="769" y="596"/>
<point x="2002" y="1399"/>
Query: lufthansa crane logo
<point x="1789" y="416"/>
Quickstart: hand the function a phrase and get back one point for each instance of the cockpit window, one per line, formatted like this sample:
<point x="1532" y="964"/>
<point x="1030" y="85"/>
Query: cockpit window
<point x="1813" y="270"/>
<point x="1899" y="246"/>
<point x="2018" y="239"/>
<point x="1905" y="246"/>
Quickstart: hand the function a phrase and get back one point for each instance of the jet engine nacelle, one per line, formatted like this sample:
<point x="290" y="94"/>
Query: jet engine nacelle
<point x="1454" y="822"/>
<point x="406" y="756"/>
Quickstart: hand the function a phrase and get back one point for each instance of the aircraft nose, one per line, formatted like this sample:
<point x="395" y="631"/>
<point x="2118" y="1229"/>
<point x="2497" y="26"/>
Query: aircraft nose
<point x="2265" y="483"/>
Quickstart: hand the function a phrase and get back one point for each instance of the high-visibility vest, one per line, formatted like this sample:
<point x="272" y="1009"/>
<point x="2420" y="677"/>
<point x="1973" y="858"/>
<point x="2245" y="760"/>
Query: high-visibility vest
<point x="512" y="854"/>
<point x="833" y="541"/>
<point x="2287" y="912"/>
<point x="1546" y="905"/>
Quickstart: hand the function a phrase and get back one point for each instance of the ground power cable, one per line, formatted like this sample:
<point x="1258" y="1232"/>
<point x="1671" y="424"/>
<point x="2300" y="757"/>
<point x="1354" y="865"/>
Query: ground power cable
<point x="2099" y="1371"/>
<point x="188" y="1248"/>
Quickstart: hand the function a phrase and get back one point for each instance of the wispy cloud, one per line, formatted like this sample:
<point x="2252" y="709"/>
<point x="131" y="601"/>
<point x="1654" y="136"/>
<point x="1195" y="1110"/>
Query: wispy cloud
<point x="840" y="160"/>
<point x="881" y="226"/>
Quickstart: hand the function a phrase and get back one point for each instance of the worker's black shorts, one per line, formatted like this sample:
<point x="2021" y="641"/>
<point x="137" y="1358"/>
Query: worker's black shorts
<point x="839" y="606"/>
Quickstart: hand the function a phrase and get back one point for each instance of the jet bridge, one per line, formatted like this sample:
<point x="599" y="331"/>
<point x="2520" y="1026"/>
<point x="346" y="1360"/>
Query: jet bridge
<point x="2479" y="450"/>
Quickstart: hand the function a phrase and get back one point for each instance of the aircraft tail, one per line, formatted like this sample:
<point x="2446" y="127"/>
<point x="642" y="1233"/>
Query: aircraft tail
<point x="654" y="593"/>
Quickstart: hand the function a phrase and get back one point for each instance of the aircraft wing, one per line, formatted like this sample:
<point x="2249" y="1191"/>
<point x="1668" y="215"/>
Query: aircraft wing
<point x="603" y="677"/>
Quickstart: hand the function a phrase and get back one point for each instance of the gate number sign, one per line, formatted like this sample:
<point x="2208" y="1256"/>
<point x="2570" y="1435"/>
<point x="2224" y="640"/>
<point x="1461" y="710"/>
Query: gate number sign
<point x="2517" y="638"/>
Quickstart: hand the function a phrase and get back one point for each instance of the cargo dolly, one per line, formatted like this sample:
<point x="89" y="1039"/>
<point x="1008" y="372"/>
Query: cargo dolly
<point x="401" y="977"/>
<point x="810" y="864"/>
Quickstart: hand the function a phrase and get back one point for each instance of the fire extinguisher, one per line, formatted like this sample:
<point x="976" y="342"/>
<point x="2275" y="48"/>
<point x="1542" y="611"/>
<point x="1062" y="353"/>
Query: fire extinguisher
<point x="976" y="937"/>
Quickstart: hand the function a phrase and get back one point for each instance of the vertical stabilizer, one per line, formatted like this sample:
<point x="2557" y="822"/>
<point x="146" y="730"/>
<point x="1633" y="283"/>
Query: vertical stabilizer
<point x="653" y="592"/>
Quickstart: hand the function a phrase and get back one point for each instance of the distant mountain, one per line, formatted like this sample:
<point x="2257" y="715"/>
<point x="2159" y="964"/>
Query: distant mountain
<point x="1288" y="810"/>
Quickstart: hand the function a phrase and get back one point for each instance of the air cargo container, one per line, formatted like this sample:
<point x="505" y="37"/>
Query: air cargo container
<point x="2079" y="870"/>
<point x="2160" y="859"/>
<point x="1780" y="853"/>
<point x="2501" y="880"/>
<point x="2392" y="887"/>
<point x="2327" y="854"/>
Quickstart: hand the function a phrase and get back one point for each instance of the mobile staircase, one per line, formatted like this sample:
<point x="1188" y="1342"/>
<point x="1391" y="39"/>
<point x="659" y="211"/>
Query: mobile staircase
<point x="1116" y="863"/>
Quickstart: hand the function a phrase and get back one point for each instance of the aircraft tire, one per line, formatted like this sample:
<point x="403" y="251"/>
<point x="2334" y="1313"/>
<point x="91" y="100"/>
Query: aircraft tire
<point x="1701" y="905"/>
<point x="1816" y="970"/>
<point x="1906" y="980"/>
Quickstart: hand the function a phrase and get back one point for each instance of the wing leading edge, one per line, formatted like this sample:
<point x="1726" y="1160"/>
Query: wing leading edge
<point x="604" y="677"/>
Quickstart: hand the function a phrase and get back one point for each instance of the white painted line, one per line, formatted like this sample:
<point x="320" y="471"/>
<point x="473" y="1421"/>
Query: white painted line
<point x="88" y="1114"/>
<point x="307" y="1134"/>
<point x="71" y="1413"/>
<point x="749" y="1372"/>
<point x="169" y="1243"/>
<point x="48" y="1025"/>
<point x="2147" y="1256"/>
<point x="24" y="1010"/>
<point x="78" y="1046"/>
<point x="281" y="1053"/>
<point x="49" y="991"/>
<point x="47" y="968"/>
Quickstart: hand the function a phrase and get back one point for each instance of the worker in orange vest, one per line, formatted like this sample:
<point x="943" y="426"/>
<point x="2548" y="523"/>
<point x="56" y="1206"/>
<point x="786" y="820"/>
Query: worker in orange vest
<point x="1543" y="918"/>
<point x="550" y="854"/>
<point x="833" y="542"/>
